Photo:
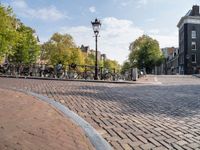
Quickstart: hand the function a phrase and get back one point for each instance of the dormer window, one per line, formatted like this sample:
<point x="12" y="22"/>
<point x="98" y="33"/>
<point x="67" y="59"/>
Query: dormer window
<point x="194" y="34"/>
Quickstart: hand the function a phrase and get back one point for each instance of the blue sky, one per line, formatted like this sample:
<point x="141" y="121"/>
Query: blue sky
<point x="122" y="20"/>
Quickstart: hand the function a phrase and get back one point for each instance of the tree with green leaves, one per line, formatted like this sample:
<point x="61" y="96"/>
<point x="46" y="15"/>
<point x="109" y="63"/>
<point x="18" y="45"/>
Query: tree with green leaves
<point x="112" y="65"/>
<point x="125" y="67"/>
<point x="145" y="53"/>
<point x="61" y="48"/>
<point x="27" y="49"/>
<point x="8" y="34"/>
<point x="76" y="56"/>
<point x="58" y="49"/>
<point x="90" y="59"/>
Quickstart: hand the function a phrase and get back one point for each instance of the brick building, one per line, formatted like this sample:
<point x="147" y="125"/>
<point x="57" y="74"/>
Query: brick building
<point x="189" y="42"/>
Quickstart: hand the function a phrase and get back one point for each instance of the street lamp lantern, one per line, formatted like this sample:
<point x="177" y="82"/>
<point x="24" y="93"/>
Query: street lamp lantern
<point x="96" y="27"/>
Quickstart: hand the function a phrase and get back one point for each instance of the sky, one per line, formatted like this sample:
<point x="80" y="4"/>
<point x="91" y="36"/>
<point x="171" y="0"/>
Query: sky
<point x="123" y="21"/>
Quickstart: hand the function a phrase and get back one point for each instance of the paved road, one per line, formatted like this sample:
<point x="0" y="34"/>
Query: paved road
<point x="136" y="116"/>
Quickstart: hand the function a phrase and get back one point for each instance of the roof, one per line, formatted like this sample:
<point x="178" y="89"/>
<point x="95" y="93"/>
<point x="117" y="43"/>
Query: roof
<point x="190" y="16"/>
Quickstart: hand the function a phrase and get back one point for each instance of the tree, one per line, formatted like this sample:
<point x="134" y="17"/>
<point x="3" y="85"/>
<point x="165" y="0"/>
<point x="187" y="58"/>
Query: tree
<point x="145" y="53"/>
<point x="125" y="67"/>
<point x="58" y="49"/>
<point x="76" y="57"/>
<point x="26" y="50"/>
<point x="90" y="59"/>
<point x="61" y="48"/>
<point x="8" y="34"/>
<point x="112" y="65"/>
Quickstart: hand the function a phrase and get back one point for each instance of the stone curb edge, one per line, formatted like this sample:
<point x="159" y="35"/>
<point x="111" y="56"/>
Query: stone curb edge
<point x="95" y="138"/>
<point x="197" y="75"/>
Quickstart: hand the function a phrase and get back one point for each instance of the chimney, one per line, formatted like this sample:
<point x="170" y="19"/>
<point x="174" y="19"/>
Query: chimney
<point x="195" y="11"/>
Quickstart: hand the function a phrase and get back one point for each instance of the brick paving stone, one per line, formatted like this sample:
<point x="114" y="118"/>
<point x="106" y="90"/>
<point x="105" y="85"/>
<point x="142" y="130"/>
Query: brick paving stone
<point x="142" y="139"/>
<point x="126" y="146"/>
<point x="188" y="135"/>
<point x="182" y="142"/>
<point x="135" y="143"/>
<point x="187" y="140"/>
<point x="194" y="145"/>
<point x="187" y="148"/>
<point x="197" y="137"/>
<point x="166" y="145"/>
<point x="159" y="148"/>
<point x="116" y="145"/>
<point x="153" y="141"/>
<point x="147" y="146"/>
<point x="177" y="147"/>
<point x="149" y="135"/>
<point x="131" y="137"/>
<point x="171" y="140"/>
<point x="130" y="114"/>
<point x="160" y="138"/>
<point x="137" y="148"/>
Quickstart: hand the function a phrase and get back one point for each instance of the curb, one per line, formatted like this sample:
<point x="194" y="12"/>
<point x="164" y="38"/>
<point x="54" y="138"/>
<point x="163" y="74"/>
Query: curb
<point x="95" y="138"/>
<point x="196" y="75"/>
<point x="75" y="80"/>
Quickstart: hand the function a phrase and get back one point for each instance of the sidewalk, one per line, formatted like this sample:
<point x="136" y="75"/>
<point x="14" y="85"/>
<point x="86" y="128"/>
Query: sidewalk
<point x="27" y="123"/>
<point x="148" y="79"/>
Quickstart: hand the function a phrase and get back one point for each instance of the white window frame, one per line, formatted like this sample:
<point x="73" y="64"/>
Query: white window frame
<point x="194" y="34"/>
<point x="194" y="43"/>
<point x="195" y="58"/>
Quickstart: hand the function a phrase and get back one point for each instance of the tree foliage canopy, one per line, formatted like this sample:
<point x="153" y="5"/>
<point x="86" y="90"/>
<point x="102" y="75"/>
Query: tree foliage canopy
<point x="145" y="52"/>
<point x="26" y="50"/>
<point x="8" y="34"/>
<point x="17" y="41"/>
<point x="125" y="67"/>
<point x="112" y="65"/>
<point x="62" y="49"/>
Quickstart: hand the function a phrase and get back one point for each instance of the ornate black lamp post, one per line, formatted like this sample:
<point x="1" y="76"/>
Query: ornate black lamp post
<point x="96" y="27"/>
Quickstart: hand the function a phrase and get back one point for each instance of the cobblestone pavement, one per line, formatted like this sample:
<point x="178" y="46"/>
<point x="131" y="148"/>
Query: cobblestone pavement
<point x="131" y="116"/>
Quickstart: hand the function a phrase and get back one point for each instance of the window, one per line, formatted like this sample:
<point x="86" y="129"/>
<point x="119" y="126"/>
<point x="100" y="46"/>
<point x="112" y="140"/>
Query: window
<point x="194" y="34"/>
<point x="194" y="47"/>
<point x="193" y="58"/>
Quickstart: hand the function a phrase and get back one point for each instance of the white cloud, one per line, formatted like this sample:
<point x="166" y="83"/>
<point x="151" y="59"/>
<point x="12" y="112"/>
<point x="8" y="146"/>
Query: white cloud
<point x="115" y="37"/>
<point x="20" y="4"/>
<point x="141" y="3"/>
<point x="154" y="31"/>
<point x="125" y="3"/>
<point x="92" y="9"/>
<point x="49" y="13"/>
<point x="150" y="20"/>
<point x="166" y="40"/>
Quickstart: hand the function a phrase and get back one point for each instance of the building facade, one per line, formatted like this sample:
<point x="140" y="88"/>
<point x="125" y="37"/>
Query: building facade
<point x="170" y="66"/>
<point x="189" y="42"/>
<point x="87" y="50"/>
